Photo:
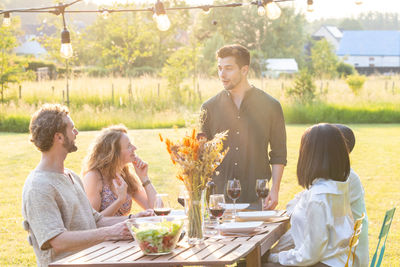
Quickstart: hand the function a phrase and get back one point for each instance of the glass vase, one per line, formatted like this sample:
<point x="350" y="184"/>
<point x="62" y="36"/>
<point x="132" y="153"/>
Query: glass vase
<point x="195" y="213"/>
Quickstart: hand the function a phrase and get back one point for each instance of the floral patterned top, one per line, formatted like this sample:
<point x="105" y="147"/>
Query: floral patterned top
<point x="108" y="197"/>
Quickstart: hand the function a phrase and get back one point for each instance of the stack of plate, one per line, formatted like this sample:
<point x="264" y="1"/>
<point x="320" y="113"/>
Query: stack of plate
<point x="239" y="227"/>
<point x="268" y="215"/>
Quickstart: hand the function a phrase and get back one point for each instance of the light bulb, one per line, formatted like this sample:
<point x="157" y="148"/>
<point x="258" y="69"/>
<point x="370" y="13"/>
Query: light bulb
<point x="261" y="10"/>
<point x="206" y="9"/>
<point x="358" y="2"/>
<point x="105" y="14"/>
<point x="66" y="47"/>
<point x="66" y="51"/>
<point x="310" y="5"/>
<point x="273" y="10"/>
<point x="6" y="19"/>
<point x="163" y="22"/>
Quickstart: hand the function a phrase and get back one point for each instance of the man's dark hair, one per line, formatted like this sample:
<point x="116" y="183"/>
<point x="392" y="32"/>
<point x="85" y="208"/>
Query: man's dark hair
<point x="239" y="52"/>
<point x="348" y="136"/>
<point x="45" y="123"/>
<point x="323" y="154"/>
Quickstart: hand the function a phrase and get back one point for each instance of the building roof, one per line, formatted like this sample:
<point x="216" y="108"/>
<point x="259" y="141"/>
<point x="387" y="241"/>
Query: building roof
<point x="333" y="30"/>
<point x="370" y="43"/>
<point x="282" y="64"/>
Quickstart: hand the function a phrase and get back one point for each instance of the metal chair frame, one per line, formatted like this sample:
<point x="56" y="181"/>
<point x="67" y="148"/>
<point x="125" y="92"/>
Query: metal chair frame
<point x="387" y="222"/>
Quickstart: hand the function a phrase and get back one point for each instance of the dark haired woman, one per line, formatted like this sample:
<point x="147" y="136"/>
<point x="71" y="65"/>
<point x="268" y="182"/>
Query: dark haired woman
<point x="321" y="220"/>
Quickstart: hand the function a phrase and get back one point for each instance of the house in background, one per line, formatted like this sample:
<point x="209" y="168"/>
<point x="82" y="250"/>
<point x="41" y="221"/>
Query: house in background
<point x="277" y="66"/>
<point x="371" y="51"/>
<point x="331" y="33"/>
<point x="31" y="47"/>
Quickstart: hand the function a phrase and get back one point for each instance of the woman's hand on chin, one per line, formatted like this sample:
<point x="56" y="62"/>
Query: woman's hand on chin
<point x="141" y="168"/>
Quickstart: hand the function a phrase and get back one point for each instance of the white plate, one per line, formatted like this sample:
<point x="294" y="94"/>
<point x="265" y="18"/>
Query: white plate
<point x="259" y="215"/>
<point x="155" y="219"/>
<point x="239" y="206"/>
<point x="239" y="227"/>
<point x="177" y="213"/>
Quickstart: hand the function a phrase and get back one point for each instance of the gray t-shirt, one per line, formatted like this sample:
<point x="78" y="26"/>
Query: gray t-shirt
<point x="53" y="203"/>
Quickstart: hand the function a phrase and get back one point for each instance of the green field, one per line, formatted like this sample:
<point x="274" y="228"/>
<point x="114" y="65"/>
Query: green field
<point x="375" y="158"/>
<point x="147" y="103"/>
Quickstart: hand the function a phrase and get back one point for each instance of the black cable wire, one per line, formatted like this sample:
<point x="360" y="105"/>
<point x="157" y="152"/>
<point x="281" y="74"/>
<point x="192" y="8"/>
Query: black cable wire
<point x="57" y="9"/>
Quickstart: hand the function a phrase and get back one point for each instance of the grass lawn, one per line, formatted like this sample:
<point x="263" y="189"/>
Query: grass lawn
<point x="375" y="158"/>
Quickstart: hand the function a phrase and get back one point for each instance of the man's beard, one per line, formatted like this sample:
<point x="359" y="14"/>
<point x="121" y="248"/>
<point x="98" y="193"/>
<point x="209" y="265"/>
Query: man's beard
<point x="232" y="85"/>
<point x="69" y="145"/>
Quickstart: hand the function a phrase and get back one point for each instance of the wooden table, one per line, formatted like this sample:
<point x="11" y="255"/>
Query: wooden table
<point x="215" y="252"/>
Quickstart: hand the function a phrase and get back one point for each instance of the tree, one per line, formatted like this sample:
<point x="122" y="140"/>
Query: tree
<point x="350" y="25"/>
<point x="304" y="88"/>
<point x="284" y="37"/>
<point x="176" y="69"/>
<point x="323" y="59"/>
<point x="10" y="67"/>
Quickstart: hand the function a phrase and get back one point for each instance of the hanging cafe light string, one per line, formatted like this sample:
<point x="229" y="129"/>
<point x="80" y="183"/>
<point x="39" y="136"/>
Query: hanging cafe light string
<point x="269" y="8"/>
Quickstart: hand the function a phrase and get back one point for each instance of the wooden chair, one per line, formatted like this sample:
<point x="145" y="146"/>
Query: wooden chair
<point x="354" y="239"/>
<point x="383" y="234"/>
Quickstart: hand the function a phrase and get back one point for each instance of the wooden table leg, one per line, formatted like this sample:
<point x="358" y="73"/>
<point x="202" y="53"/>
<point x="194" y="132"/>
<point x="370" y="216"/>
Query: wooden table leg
<point x="254" y="258"/>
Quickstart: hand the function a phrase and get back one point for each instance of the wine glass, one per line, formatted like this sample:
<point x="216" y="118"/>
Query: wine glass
<point x="181" y="196"/>
<point x="262" y="190"/>
<point x="161" y="205"/>
<point x="233" y="189"/>
<point x="217" y="205"/>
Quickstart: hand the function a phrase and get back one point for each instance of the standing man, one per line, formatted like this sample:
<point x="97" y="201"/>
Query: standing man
<point x="56" y="211"/>
<point x="257" y="134"/>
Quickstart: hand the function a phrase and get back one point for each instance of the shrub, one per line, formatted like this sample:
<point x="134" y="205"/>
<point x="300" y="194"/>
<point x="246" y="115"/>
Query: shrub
<point x="355" y="82"/>
<point x="321" y="112"/>
<point x="97" y="72"/>
<point x="345" y="69"/>
<point x="304" y="88"/>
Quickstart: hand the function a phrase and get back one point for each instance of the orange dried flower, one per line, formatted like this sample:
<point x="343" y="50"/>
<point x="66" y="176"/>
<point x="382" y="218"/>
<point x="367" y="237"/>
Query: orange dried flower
<point x="161" y="139"/>
<point x="186" y="141"/>
<point x="194" y="134"/>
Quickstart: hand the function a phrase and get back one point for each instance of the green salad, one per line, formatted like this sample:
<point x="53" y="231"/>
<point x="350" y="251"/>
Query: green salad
<point x="158" y="238"/>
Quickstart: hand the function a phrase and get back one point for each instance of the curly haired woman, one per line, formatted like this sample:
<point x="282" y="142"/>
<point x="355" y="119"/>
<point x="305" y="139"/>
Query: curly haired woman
<point x="109" y="183"/>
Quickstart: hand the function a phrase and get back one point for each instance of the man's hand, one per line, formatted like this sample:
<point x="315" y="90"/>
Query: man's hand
<point x="272" y="199"/>
<point x="118" y="231"/>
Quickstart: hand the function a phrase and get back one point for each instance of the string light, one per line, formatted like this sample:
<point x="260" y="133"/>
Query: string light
<point x="273" y="10"/>
<point x="162" y="19"/>
<point x="6" y="19"/>
<point x="260" y="8"/>
<point x="105" y="14"/>
<point x="206" y="9"/>
<point x="310" y="5"/>
<point x="66" y="47"/>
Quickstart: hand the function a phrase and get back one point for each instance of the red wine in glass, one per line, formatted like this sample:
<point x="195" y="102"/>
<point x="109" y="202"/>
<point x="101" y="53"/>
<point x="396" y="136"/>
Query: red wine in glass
<point x="234" y="193"/>
<point x="162" y="211"/>
<point x="262" y="192"/>
<point x="233" y="189"/>
<point x="217" y="212"/>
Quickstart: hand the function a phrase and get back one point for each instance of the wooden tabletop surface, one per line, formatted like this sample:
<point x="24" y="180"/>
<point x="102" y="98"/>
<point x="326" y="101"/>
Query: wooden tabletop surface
<point x="214" y="251"/>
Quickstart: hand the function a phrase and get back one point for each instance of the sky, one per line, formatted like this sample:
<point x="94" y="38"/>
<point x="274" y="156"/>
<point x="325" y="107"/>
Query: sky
<point x="322" y="8"/>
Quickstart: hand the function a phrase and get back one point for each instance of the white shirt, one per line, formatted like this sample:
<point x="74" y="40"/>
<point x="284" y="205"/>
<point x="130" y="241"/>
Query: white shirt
<point x="322" y="225"/>
<point x="357" y="203"/>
